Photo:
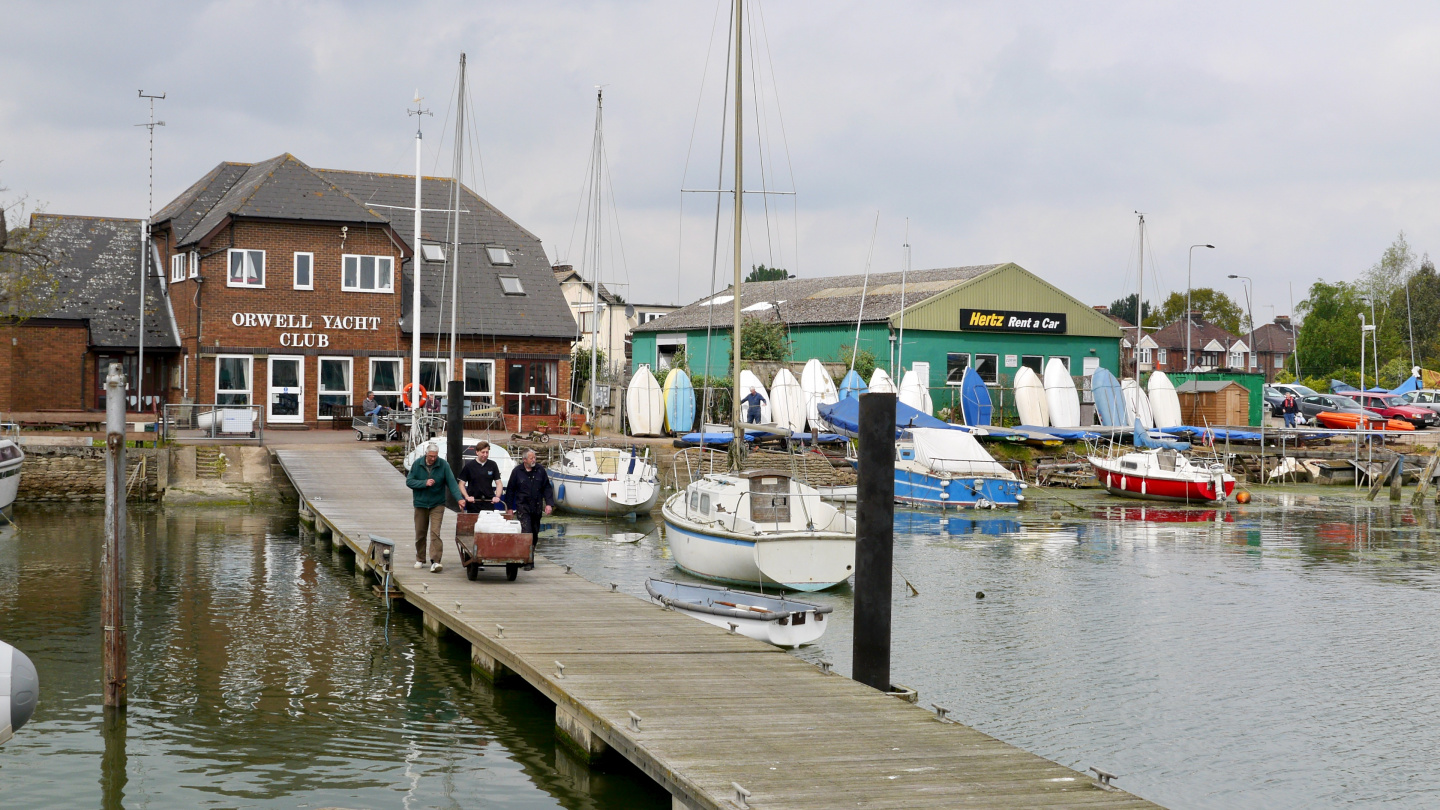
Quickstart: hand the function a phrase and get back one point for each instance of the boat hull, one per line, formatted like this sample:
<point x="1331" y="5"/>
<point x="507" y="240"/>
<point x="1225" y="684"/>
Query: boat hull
<point x="770" y="632"/>
<point x="603" y="497"/>
<point x="14" y="459"/>
<point x="1155" y="488"/>
<point x="800" y="562"/>
<point x="958" y="492"/>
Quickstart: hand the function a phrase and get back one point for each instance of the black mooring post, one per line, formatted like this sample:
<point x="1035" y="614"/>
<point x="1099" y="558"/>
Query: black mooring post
<point x="874" y="540"/>
<point x="454" y="432"/>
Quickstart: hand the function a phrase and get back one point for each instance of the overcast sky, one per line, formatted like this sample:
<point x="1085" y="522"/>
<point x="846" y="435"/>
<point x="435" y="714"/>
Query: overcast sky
<point x="1296" y="137"/>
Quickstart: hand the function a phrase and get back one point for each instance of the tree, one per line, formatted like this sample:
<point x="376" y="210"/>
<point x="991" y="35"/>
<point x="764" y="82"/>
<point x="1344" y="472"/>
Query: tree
<point x="580" y="370"/>
<point x="864" y="362"/>
<point x="759" y="272"/>
<point x="1125" y="308"/>
<point x="762" y="340"/>
<point x="1213" y="305"/>
<point x="28" y="283"/>
<point x="1330" y="329"/>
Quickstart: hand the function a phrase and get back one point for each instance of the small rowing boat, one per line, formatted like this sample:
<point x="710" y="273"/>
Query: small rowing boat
<point x="771" y="619"/>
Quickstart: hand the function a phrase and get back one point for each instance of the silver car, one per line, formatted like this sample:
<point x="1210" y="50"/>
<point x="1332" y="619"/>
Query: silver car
<point x="1423" y="398"/>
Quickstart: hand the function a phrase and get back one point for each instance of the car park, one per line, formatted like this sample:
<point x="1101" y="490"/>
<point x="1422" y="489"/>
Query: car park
<point x="1423" y="398"/>
<point x="1333" y="403"/>
<point x="1391" y="406"/>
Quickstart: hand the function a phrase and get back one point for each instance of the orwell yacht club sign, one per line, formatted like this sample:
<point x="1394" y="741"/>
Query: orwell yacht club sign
<point x="301" y="328"/>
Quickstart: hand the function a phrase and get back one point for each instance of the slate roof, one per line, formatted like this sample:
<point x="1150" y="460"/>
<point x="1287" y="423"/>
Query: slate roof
<point x="98" y="277"/>
<point x="832" y="299"/>
<point x="1275" y="337"/>
<point x="484" y="307"/>
<point x="565" y="274"/>
<point x="1172" y="335"/>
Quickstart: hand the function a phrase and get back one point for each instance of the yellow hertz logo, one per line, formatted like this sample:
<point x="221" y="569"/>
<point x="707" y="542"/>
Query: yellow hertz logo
<point x="983" y="319"/>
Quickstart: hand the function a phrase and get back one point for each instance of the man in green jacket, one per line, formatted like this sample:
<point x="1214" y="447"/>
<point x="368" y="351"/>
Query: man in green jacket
<point x="429" y="476"/>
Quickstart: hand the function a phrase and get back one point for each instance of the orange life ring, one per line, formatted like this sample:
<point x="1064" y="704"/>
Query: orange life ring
<point x="405" y="396"/>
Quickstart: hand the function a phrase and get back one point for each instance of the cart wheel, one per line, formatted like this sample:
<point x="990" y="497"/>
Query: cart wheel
<point x="544" y="438"/>
<point x="512" y="570"/>
<point x="472" y="572"/>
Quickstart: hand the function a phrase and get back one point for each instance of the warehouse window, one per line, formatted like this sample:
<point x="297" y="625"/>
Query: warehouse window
<point x="334" y="385"/>
<point x="367" y="274"/>
<point x="1065" y="360"/>
<point x="247" y="268"/>
<point x="232" y="379"/>
<point x="1034" y="362"/>
<point x="385" y="382"/>
<point x="955" y="365"/>
<point x="304" y="271"/>
<point x="988" y="367"/>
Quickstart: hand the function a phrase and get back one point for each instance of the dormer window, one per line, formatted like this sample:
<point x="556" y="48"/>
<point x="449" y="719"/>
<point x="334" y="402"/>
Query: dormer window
<point x="500" y="257"/>
<point x="511" y="285"/>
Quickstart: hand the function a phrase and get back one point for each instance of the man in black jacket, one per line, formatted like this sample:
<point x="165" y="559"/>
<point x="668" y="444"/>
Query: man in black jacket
<point x="530" y="494"/>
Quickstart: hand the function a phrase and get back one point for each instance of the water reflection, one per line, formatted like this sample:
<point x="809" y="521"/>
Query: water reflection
<point x="263" y="673"/>
<point x="1278" y="654"/>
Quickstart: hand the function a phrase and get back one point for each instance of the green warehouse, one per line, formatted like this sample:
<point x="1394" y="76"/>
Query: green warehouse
<point x="995" y="317"/>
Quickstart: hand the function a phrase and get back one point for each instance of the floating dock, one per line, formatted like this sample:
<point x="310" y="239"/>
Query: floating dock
<point x="718" y="720"/>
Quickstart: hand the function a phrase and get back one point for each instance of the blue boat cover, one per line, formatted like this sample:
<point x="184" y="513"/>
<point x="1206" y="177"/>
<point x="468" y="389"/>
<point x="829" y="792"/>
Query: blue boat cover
<point x="1143" y="439"/>
<point x="1337" y="387"/>
<point x="845" y="417"/>
<point x="1109" y="398"/>
<point x="1412" y="384"/>
<point x="723" y="438"/>
<point x="975" y="399"/>
<point x="1068" y="434"/>
<point x="853" y="385"/>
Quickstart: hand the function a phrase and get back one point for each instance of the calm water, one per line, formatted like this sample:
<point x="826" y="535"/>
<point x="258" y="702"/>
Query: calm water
<point x="263" y="673"/>
<point x="1280" y="655"/>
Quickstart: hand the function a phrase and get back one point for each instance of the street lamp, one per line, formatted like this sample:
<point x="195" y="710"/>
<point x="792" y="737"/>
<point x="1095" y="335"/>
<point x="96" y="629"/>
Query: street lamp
<point x="1188" y="322"/>
<point x="1251" y="314"/>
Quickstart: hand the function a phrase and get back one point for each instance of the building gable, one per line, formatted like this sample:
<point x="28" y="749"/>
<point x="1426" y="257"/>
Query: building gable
<point x="1010" y="288"/>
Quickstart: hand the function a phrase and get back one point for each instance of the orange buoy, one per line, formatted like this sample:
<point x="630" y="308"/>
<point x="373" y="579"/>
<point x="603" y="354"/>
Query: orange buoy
<point x="405" y="396"/>
<point x="1242" y="497"/>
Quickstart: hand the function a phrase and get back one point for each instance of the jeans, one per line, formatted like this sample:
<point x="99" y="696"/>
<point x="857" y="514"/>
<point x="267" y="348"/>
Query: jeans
<point x="752" y="417"/>
<point x="374" y="415"/>
<point x="427" y="522"/>
<point x="1289" y="420"/>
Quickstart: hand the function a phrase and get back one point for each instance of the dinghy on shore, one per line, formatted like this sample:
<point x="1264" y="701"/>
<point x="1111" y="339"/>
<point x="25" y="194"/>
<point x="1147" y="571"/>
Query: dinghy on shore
<point x="787" y="401"/>
<point x="1030" y="398"/>
<point x="748" y="380"/>
<point x="645" y="405"/>
<point x="771" y="619"/>
<point x="880" y="382"/>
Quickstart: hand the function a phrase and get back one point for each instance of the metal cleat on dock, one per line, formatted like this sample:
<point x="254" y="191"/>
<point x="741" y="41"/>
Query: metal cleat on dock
<point x="741" y="794"/>
<point x="825" y="667"/>
<point x="559" y="670"/>
<point x="499" y="631"/>
<point x="613" y="587"/>
<point x="1105" y="777"/>
<point x="634" y="721"/>
<point x="940" y="712"/>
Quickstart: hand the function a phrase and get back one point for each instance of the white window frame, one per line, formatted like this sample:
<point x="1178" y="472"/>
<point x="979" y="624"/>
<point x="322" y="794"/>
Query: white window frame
<point x="519" y="285"/>
<point x="1145" y="354"/>
<point x="321" y="392"/>
<point x="1162" y="356"/>
<point x="1065" y="360"/>
<point x="485" y="396"/>
<point x="400" y="379"/>
<point x="444" y="375"/>
<point x="1279" y="360"/>
<point x="976" y="359"/>
<point x="194" y="264"/>
<point x="249" y="379"/>
<point x="177" y="267"/>
<point x="499" y="256"/>
<point x="389" y="274"/>
<point x="960" y="381"/>
<point x="310" y="270"/>
<point x="229" y="262"/>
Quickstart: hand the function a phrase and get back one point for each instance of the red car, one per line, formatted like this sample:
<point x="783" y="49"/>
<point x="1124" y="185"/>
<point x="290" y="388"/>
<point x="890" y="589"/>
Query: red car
<point x="1393" y="407"/>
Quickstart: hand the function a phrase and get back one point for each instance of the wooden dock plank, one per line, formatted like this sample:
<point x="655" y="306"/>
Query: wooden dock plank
<point x="716" y="708"/>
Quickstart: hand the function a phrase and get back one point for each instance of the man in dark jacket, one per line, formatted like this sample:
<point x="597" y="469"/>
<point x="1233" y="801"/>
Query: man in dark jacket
<point x="1288" y="408"/>
<point x="752" y="402"/>
<point x="429" y="478"/>
<point x="530" y="494"/>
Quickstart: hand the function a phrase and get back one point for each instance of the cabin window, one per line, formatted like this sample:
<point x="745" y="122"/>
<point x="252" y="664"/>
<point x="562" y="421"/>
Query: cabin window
<point x="367" y="274"/>
<point x="694" y="500"/>
<point x="988" y="367"/>
<point x="704" y="504"/>
<point x="334" y="385"/>
<point x="247" y="268"/>
<point x="385" y="382"/>
<point x="304" y="271"/>
<point x="232" y="379"/>
<point x="1128" y="465"/>
<point x="955" y="365"/>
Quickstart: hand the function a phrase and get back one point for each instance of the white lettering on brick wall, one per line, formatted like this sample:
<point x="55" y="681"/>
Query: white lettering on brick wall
<point x="301" y="339"/>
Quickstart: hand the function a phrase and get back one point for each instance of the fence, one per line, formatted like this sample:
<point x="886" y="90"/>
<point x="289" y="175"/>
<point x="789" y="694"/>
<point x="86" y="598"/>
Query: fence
<point x="239" y="423"/>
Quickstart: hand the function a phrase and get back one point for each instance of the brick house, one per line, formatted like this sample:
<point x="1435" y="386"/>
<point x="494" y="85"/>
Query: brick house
<point x="289" y="287"/>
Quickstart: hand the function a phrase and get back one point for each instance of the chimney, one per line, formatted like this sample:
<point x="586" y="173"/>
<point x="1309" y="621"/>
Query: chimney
<point x="1283" y="321"/>
<point x="562" y="269"/>
<point x="1102" y="309"/>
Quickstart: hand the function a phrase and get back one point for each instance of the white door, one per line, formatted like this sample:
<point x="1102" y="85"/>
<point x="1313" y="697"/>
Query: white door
<point x="286" y="394"/>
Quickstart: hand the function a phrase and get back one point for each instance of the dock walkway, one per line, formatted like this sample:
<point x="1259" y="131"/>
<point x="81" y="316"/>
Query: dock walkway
<point x="715" y="710"/>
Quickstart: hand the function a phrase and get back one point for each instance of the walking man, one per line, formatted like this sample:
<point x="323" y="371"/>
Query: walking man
<point x="1288" y="408"/>
<point x="753" y="401"/>
<point x="429" y="478"/>
<point x="480" y="481"/>
<point x="529" y="493"/>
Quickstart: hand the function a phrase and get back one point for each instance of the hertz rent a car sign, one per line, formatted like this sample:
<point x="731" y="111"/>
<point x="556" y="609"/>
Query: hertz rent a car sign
<point x="996" y="320"/>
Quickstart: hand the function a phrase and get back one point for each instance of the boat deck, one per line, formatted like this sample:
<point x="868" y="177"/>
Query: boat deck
<point x="715" y="709"/>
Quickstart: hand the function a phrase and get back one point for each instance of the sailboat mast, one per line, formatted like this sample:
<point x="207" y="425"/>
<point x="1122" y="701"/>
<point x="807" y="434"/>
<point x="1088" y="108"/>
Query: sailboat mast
<point x="904" y="267"/>
<point x="455" y="242"/>
<point x="737" y="437"/>
<point x="1139" y="301"/>
<point x="415" y="265"/>
<point x="595" y="159"/>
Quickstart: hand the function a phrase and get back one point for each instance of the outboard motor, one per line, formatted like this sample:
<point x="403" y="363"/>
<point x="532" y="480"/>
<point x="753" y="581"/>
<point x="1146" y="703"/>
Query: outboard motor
<point x="19" y="690"/>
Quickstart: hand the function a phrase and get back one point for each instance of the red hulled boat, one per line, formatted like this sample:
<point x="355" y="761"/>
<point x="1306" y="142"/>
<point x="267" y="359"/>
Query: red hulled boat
<point x="1162" y="474"/>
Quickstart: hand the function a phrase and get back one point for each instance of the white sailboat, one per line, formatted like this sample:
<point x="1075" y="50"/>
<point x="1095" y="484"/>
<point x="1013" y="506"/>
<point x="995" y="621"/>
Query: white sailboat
<point x="605" y="481"/>
<point x="757" y="527"/>
<point x="11" y="460"/>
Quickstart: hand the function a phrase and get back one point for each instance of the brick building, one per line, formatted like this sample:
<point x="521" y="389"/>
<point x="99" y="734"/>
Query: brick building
<point x="289" y="287"/>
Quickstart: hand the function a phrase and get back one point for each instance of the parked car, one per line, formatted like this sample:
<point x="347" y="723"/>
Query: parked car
<point x="1334" y="403"/>
<point x="1393" y="407"/>
<point x="1300" y="391"/>
<point x="1423" y="398"/>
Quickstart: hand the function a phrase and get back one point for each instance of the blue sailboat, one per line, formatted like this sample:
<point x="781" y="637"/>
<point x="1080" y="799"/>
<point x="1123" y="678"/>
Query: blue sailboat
<point x="946" y="467"/>
<point x="853" y="385"/>
<point x="975" y="399"/>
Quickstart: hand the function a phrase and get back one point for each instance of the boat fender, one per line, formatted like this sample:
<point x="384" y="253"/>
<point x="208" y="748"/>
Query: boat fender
<point x="560" y="495"/>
